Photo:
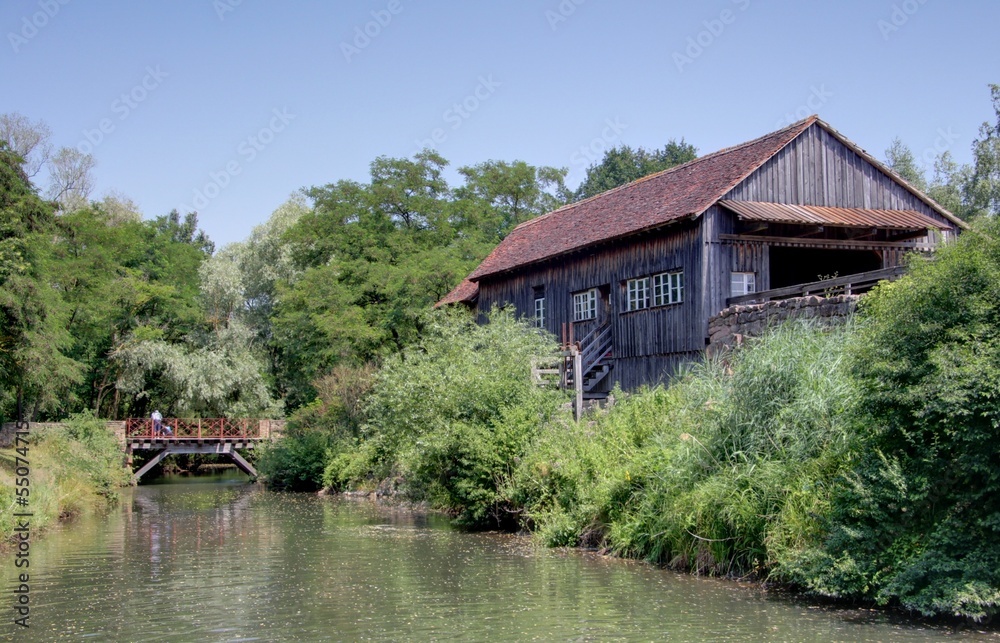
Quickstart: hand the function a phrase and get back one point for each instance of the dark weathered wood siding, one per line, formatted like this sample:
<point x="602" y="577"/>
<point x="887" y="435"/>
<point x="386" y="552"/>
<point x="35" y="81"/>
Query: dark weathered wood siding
<point x="817" y="169"/>
<point x="664" y="332"/>
<point x="814" y="169"/>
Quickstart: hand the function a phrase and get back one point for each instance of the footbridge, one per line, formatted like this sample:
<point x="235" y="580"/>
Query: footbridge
<point x="220" y="436"/>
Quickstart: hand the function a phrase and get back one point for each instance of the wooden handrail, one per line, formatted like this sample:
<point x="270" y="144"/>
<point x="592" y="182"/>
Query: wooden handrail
<point x="850" y="283"/>
<point x="195" y="429"/>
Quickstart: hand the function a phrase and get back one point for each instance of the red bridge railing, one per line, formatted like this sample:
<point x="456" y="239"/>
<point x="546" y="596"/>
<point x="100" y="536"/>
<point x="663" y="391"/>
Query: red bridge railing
<point x="197" y="429"/>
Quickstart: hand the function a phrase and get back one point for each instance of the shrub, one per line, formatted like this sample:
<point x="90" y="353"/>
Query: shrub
<point x="453" y="412"/>
<point x="718" y="472"/>
<point x="917" y="521"/>
<point x="295" y="461"/>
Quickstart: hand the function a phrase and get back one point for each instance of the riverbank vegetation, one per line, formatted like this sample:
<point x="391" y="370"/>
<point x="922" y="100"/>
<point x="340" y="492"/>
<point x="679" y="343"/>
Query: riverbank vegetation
<point x="855" y="463"/>
<point x="75" y="468"/>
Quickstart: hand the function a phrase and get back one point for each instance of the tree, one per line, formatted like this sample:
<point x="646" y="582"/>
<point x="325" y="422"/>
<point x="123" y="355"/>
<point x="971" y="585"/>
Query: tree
<point x="119" y="208"/>
<point x="900" y="160"/>
<point x="265" y="261"/>
<point x="30" y="141"/>
<point x="222" y="285"/>
<point x="71" y="178"/>
<point x="35" y="374"/>
<point x="216" y="374"/>
<point x="981" y="191"/>
<point x="622" y="165"/>
<point x="410" y="191"/>
<point x="497" y="196"/>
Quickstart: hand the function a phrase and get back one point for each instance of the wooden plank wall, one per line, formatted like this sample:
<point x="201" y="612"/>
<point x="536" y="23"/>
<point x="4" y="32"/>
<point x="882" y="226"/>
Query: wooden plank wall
<point x="662" y="331"/>
<point x="817" y="169"/>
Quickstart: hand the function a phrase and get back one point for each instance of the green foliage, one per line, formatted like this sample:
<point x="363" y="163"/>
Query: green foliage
<point x="497" y="196"/>
<point x="918" y="519"/>
<point x="371" y="258"/>
<point x="622" y="165"/>
<point x="100" y="458"/>
<point x="74" y="468"/>
<point x="721" y="472"/>
<point x="451" y="414"/>
<point x="981" y="190"/>
<point x="968" y="191"/>
<point x="34" y="367"/>
<point x="900" y="159"/>
<point x="296" y="461"/>
<point x="217" y="374"/>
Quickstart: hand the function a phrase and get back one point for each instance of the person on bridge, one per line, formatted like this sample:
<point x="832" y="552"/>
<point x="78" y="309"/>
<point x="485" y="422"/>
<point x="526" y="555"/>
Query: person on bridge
<point x="157" y="422"/>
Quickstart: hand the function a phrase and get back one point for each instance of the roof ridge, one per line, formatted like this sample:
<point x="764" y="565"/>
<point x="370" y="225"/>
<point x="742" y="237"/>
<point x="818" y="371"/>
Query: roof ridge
<point x="805" y="122"/>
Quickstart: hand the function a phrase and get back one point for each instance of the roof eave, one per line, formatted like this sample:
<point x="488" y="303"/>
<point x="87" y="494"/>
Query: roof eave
<point x="590" y="246"/>
<point x="934" y="205"/>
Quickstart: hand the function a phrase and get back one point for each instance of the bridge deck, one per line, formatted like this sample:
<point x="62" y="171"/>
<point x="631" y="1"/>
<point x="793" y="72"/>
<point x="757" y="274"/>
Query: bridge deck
<point x="203" y="429"/>
<point x="223" y="436"/>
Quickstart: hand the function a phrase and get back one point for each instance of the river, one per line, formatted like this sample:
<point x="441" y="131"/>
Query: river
<point x="216" y="559"/>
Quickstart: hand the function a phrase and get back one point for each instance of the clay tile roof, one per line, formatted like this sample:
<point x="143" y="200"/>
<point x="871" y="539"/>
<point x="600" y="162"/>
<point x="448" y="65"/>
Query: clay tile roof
<point x="465" y="292"/>
<point x="671" y="195"/>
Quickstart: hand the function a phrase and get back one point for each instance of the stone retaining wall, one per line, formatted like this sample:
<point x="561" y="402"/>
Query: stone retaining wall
<point x="729" y="328"/>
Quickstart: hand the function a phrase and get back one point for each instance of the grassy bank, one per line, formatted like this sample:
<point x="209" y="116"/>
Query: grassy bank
<point x="73" y="469"/>
<point x="857" y="463"/>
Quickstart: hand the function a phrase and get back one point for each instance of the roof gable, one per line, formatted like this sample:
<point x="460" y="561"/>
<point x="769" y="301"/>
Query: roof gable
<point x="674" y="194"/>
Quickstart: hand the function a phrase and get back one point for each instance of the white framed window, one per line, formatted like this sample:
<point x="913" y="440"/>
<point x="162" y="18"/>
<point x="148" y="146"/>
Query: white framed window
<point x="637" y="293"/>
<point x="585" y="305"/>
<point x="539" y="312"/>
<point x="668" y="288"/>
<point x="742" y="283"/>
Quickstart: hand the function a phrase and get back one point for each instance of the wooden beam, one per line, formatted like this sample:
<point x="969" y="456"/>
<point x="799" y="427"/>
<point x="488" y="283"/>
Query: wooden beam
<point x="862" y="233"/>
<point x="827" y="243"/>
<point x="808" y="232"/>
<point x="905" y="235"/>
<point x="578" y="385"/>
<point x="152" y="463"/>
<point x="756" y="227"/>
<point x="860" y="280"/>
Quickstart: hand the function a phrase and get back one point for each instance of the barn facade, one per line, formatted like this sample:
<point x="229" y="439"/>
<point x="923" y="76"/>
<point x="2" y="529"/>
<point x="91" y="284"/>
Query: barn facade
<point x="634" y="274"/>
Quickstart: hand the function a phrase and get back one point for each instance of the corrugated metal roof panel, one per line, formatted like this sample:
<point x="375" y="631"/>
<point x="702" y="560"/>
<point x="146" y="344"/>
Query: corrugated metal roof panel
<point x="821" y="215"/>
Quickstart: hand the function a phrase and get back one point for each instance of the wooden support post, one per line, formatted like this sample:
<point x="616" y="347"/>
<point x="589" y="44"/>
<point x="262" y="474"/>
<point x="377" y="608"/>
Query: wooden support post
<point x="578" y="383"/>
<point x="152" y="463"/>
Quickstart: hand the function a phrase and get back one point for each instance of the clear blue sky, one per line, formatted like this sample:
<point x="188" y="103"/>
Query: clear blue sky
<point x="550" y="77"/>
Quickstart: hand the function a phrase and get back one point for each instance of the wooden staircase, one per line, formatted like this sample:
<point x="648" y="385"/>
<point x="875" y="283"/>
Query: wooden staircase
<point x="592" y="356"/>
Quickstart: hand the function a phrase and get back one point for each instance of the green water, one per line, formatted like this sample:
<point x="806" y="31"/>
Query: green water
<point x="220" y="560"/>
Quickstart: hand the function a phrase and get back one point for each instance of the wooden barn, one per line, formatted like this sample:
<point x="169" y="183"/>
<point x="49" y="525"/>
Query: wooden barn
<point x="636" y="272"/>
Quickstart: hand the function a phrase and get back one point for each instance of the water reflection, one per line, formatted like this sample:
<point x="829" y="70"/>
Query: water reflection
<point x="228" y="561"/>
